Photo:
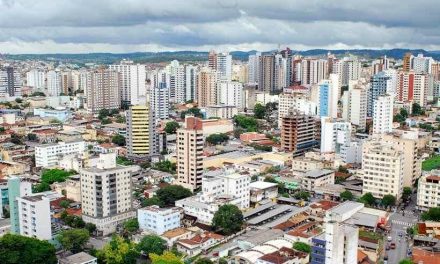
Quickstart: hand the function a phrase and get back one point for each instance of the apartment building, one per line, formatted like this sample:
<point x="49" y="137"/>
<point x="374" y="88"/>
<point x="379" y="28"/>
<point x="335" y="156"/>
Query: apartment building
<point x="355" y="106"/>
<point x="35" y="216"/>
<point x="335" y="133"/>
<point x="428" y="191"/>
<point x="16" y="189"/>
<point x="298" y="133"/>
<point x="206" y="87"/>
<point x="132" y="81"/>
<point x="102" y="90"/>
<point x="294" y="101"/>
<point x="49" y="155"/>
<point x="138" y="131"/>
<point x="317" y="178"/>
<point x="158" y="220"/>
<point x="383" y="114"/>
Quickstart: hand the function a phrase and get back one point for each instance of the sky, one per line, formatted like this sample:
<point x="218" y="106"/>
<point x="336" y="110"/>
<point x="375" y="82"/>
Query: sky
<point x="85" y="26"/>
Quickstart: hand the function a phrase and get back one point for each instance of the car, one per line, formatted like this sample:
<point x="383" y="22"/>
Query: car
<point x="387" y="247"/>
<point x="393" y="245"/>
<point x="400" y="234"/>
<point x="390" y="238"/>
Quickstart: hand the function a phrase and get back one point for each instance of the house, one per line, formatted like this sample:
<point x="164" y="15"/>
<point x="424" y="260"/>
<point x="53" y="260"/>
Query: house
<point x="261" y="190"/>
<point x="172" y="236"/>
<point x="197" y="244"/>
<point x="284" y="255"/>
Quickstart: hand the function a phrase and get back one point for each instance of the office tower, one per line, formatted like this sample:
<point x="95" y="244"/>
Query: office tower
<point x="206" y="87"/>
<point x="383" y="115"/>
<point x="190" y="83"/>
<point x="297" y="132"/>
<point x="412" y="87"/>
<point x="106" y="194"/>
<point x="102" y="91"/>
<point x="382" y="169"/>
<point x="212" y="60"/>
<point x="53" y="83"/>
<point x="313" y="71"/>
<point x="138" y="130"/>
<point x="160" y="102"/>
<point x="36" y="79"/>
<point x="35" y="216"/>
<point x="190" y="153"/>
<point x="380" y="84"/>
<point x="334" y="134"/>
<point x="407" y="62"/>
<point x="132" y="81"/>
<point x="421" y="64"/>
<point x="254" y="68"/>
<point x="49" y="155"/>
<point x="266" y="82"/>
<point x="16" y="189"/>
<point x="230" y="94"/>
<point x="328" y="96"/>
<point x="224" y="66"/>
<point x="66" y="82"/>
<point x="295" y="101"/>
<point x="355" y="106"/>
<point x="427" y="196"/>
<point x="10" y="81"/>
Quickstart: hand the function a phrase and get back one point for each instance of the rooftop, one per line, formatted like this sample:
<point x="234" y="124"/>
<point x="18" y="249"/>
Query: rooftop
<point x="262" y="185"/>
<point x="78" y="258"/>
<point x="317" y="173"/>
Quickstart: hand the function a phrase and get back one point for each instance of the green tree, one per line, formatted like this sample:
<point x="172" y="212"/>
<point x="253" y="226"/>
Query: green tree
<point x="406" y="193"/>
<point x="404" y="113"/>
<point x="388" y="200"/>
<point x="406" y="261"/>
<point x="2" y="130"/>
<point x="417" y="110"/>
<point x="106" y="121"/>
<point x="247" y="123"/>
<point x="343" y="169"/>
<point x="217" y="138"/>
<point x="192" y="111"/>
<point x="303" y="247"/>
<point x="433" y="214"/>
<point x="90" y="227"/>
<point x="32" y="137"/>
<point x="346" y="196"/>
<point x="16" y="249"/>
<point x="303" y="195"/>
<point x="165" y="166"/>
<point x="204" y="261"/>
<point x="166" y="258"/>
<point x="131" y="226"/>
<point x="118" y="140"/>
<point x="121" y="160"/>
<point x="259" y="111"/>
<point x="171" y="127"/>
<point x="74" y="239"/>
<point x="103" y="113"/>
<point x="151" y="201"/>
<point x="119" y="251"/>
<point x="368" y="199"/>
<point x="228" y="218"/>
<point x="19" y="100"/>
<point x="152" y="244"/>
<point x="65" y="204"/>
<point x="168" y="195"/>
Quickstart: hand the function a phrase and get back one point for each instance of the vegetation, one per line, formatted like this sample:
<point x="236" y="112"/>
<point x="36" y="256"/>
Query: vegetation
<point x="130" y="227"/>
<point x="73" y="220"/>
<point x="228" y="219"/>
<point x="50" y="176"/>
<point x="65" y="204"/>
<point x="406" y="193"/>
<point x="259" y="111"/>
<point x="432" y="163"/>
<point x="388" y="200"/>
<point x="151" y="201"/>
<point x="74" y="239"/>
<point x="303" y="195"/>
<point x="427" y="127"/>
<point x="152" y="244"/>
<point x="261" y="147"/>
<point x="118" y="140"/>
<point x="192" y="111"/>
<point x="121" y="160"/>
<point x="37" y="94"/>
<point x="406" y="261"/>
<point x="217" y="138"/>
<point x="32" y="137"/>
<point x="171" y="127"/>
<point x="417" y="110"/>
<point x="25" y="250"/>
<point x="90" y="227"/>
<point x="412" y="230"/>
<point x="433" y="214"/>
<point x="367" y="199"/>
<point x="204" y="261"/>
<point x="371" y="235"/>
<point x="343" y="169"/>
<point x="168" y="195"/>
<point x="402" y="116"/>
<point x="247" y="123"/>
<point x="346" y="196"/>
<point x="119" y="251"/>
<point x="165" y="166"/>
<point x="167" y="257"/>
<point x="303" y="247"/>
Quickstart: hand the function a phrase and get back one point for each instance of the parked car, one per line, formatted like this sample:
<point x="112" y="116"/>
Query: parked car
<point x="393" y="246"/>
<point x="390" y="238"/>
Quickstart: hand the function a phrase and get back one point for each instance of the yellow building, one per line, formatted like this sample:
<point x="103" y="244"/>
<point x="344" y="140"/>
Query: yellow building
<point x="138" y="139"/>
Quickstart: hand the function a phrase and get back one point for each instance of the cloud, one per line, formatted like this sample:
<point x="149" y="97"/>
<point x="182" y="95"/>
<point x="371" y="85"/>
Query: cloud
<point x="43" y="26"/>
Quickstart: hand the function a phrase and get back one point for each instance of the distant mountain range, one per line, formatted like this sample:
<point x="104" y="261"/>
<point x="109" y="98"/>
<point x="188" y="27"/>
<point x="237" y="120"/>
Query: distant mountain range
<point x="108" y="58"/>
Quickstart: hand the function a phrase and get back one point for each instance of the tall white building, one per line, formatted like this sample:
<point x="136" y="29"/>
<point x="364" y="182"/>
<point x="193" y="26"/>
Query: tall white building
<point x="313" y="71"/>
<point x="106" y="193"/>
<point x="355" y="106"/>
<point x="49" y="155"/>
<point x="158" y="220"/>
<point x="133" y="81"/>
<point x="253" y="72"/>
<point x="53" y="83"/>
<point x="421" y="64"/>
<point x="36" y="79"/>
<point x="334" y="134"/>
<point x="224" y="66"/>
<point x="160" y="102"/>
<point x="428" y="191"/>
<point x="230" y="93"/>
<point x="35" y="216"/>
<point x="383" y="114"/>
<point x="10" y="82"/>
<point x="190" y="82"/>
<point x="295" y="101"/>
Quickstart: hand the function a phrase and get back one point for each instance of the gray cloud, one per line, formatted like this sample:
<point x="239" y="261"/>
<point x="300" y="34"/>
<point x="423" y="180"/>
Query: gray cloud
<point x="130" y="25"/>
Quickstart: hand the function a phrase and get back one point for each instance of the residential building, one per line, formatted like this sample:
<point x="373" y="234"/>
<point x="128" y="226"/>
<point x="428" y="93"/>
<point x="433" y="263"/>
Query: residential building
<point x="106" y="193"/>
<point x="158" y="220"/>
<point x="295" y="101"/>
<point x="297" y="132"/>
<point x="382" y="169"/>
<point x="355" y="106"/>
<point x="428" y="191"/>
<point x="254" y="69"/>
<point x="380" y="84"/>
<point x="49" y="155"/>
<point x="266" y="74"/>
<point x="328" y="96"/>
<point x="102" y="90"/>
<point x="132" y="81"/>
<point x="79" y="258"/>
<point x="53" y="83"/>
<point x="35" y="216"/>
<point x="160" y="102"/>
<point x="334" y="134"/>
<point x="190" y="153"/>
<point x="58" y="114"/>
<point x="421" y="64"/>
<point x="262" y="191"/>
<point x="383" y="114"/>
<point x="16" y="189"/>
<point x="230" y="94"/>
<point x="36" y="79"/>
<point x="412" y="86"/>
<point x="224" y="66"/>
<point x="221" y="111"/>
<point x="206" y="87"/>
<point x="138" y="130"/>
<point x="313" y="71"/>
<point x="317" y="178"/>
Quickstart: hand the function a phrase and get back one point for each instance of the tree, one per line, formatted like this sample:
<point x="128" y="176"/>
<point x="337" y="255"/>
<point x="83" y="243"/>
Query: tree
<point x="165" y="166"/>
<point x="303" y="195"/>
<point x="166" y="258"/>
<point x="346" y="196"/>
<point x="303" y="247"/>
<point x="404" y="113"/>
<point x="152" y="244"/>
<point x="119" y="251"/>
<point x="171" y="127"/>
<point x="106" y="121"/>
<point x="222" y="261"/>
<point x="433" y="214"/>
<point x="18" y="100"/>
<point x="90" y="227"/>
<point x="65" y="204"/>
<point x="248" y="123"/>
<point x="25" y="250"/>
<point x="406" y="261"/>
<point x="121" y="160"/>
<point x="388" y="200"/>
<point x="32" y="137"/>
<point x="2" y="129"/>
<point x="168" y="195"/>
<point x="343" y="169"/>
<point x="151" y="201"/>
<point x="118" y="140"/>
<point x="74" y="239"/>
<point x="217" y="138"/>
<point x="259" y="111"/>
<point x="406" y="193"/>
<point x="16" y="139"/>
<point x="103" y="113"/>
<point x="204" y="261"/>
<point x="417" y="109"/>
<point x="192" y="111"/>
<point x="131" y="226"/>
<point x="228" y="218"/>
<point x="368" y="199"/>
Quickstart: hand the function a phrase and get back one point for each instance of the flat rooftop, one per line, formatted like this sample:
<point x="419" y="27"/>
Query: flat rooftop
<point x="345" y="207"/>
<point x="278" y="210"/>
<point x="317" y="173"/>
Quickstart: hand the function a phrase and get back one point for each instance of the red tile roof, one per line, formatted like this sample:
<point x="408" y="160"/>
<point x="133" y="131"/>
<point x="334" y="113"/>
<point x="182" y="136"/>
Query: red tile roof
<point x="425" y="257"/>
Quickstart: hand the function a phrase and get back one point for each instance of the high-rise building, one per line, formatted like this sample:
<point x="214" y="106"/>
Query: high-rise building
<point x="407" y="62"/>
<point x="224" y="66"/>
<point x="132" y="81"/>
<point x="328" y="96"/>
<point x="412" y="86"/>
<point x="230" y="94"/>
<point x="355" y="106"/>
<point x="53" y="83"/>
<point x="106" y="194"/>
<point x="428" y="195"/>
<point x="254" y="68"/>
<point x="206" y="87"/>
<point x="382" y="169"/>
<point x="351" y="71"/>
<point x="334" y="134"/>
<point x="297" y="132"/>
<point x="266" y="75"/>
<point x="102" y="90"/>
<point x="421" y="64"/>
<point x="35" y="216"/>
<point x="138" y="130"/>
<point x="313" y="71"/>
<point x="10" y="81"/>
<point x="189" y="145"/>
<point x="380" y="84"/>
<point x="190" y="83"/>
<point x="212" y="60"/>
<point x="16" y="189"/>
<point x="381" y="64"/>
<point x="160" y="102"/>
<point x="66" y="82"/>
<point x="295" y="101"/>
<point x="383" y="114"/>
<point x="36" y="79"/>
